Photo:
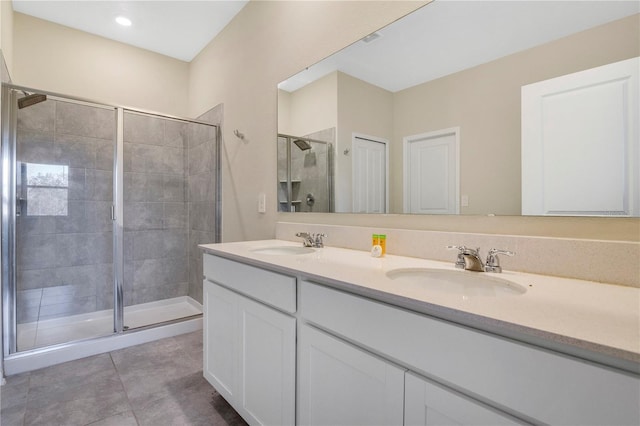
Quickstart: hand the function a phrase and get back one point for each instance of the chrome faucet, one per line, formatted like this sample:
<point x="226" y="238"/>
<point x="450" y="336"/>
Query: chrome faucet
<point x="469" y="259"/>
<point x="312" y="240"/>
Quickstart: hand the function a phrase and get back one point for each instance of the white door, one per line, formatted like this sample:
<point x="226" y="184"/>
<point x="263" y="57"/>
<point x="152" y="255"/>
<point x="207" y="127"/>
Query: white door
<point x="369" y="175"/>
<point x="431" y="179"/>
<point x="343" y="385"/>
<point x="268" y="364"/>
<point x="428" y="404"/>
<point x="580" y="143"/>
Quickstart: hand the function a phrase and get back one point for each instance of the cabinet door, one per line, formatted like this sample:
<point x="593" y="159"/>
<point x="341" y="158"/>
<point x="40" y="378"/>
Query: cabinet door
<point x="343" y="385"/>
<point x="429" y="404"/>
<point x="267" y="364"/>
<point x="220" y="308"/>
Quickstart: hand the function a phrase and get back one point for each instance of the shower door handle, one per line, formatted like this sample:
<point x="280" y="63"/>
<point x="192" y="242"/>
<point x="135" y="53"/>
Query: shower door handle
<point x="19" y="204"/>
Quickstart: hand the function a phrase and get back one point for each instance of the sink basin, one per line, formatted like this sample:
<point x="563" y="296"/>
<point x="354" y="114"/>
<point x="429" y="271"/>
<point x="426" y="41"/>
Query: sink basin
<point x="283" y="250"/>
<point x="456" y="282"/>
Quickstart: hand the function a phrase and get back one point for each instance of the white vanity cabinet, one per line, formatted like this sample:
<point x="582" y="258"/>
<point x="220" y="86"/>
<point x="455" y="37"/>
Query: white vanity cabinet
<point x="361" y="361"/>
<point x="340" y="384"/>
<point x="516" y="381"/>
<point x="249" y="346"/>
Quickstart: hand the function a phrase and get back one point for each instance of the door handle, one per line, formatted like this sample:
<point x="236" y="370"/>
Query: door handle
<point x="19" y="203"/>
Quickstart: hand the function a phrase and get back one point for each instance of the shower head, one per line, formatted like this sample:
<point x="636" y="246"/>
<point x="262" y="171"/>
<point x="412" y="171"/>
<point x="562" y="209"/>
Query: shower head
<point x="302" y="144"/>
<point x="32" y="99"/>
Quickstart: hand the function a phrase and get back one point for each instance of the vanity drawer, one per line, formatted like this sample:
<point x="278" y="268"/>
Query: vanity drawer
<point x="531" y="383"/>
<point x="269" y="287"/>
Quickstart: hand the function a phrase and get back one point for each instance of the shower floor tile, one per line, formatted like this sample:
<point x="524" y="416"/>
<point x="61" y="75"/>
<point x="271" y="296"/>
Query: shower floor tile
<point x="76" y="327"/>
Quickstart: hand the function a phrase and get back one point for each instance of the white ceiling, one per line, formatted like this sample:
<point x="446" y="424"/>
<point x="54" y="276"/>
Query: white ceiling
<point x="176" y="28"/>
<point x="417" y="48"/>
<point x="448" y="36"/>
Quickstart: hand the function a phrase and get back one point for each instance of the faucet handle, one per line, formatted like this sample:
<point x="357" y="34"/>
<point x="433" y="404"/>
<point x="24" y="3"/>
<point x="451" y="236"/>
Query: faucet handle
<point x="465" y="250"/>
<point x="493" y="262"/>
<point x="460" y="264"/>
<point x="318" y="242"/>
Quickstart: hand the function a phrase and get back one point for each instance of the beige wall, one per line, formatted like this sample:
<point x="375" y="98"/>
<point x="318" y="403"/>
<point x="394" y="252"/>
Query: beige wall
<point x="6" y="35"/>
<point x="59" y="59"/>
<point x="485" y="102"/>
<point x="266" y="43"/>
<point x="364" y="109"/>
<point x="284" y="112"/>
<point x="314" y="107"/>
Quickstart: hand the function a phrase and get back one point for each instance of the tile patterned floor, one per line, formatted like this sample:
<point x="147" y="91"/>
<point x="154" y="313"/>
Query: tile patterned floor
<point x="157" y="383"/>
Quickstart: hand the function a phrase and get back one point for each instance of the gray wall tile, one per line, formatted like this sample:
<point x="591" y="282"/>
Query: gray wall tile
<point x="143" y="216"/>
<point x="104" y="154"/>
<point x="175" y="243"/>
<point x="36" y="251"/>
<point x="76" y="151"/>
<point x="144" y="129"/>
<point x="82" y="120"/>
<point x="83" y="249"/>
<point x="175" y="215"/>
<point x="39" y="117"/>
<point x="99" y="185"/>
<point x="33" y="225"/>
<point x="148" y="245"/>
<point x="175" y="134"/>
<point x="173" y="188"/>
<point x="173" y="160"/>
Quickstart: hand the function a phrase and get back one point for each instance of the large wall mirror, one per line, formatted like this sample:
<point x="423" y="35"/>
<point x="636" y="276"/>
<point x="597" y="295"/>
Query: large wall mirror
<point x="435" y="114"/>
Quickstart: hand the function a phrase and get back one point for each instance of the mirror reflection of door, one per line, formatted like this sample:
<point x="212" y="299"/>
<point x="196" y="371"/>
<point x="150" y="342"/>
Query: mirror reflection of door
<point x="431" y="178"/>
<point x="369" y="174"/>
<point x="580" y="145"/>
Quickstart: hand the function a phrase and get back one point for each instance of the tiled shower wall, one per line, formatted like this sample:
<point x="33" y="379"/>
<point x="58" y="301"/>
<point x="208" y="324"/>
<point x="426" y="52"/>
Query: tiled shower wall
<point x="170" y="187"/>
<point x="155" y="210"/>
<point x="64" y="262"/>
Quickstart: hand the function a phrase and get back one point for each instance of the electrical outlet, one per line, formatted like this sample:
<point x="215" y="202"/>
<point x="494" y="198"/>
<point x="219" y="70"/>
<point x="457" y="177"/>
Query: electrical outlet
<point x="262" y="203"/>
<point x="464" y="201"/>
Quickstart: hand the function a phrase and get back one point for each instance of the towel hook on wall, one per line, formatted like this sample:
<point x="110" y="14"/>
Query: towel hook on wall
<point x="238" y="134"/>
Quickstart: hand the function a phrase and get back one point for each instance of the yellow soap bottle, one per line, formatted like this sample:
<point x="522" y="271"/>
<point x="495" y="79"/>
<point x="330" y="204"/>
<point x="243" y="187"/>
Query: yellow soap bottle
<point x="382" y="242"/>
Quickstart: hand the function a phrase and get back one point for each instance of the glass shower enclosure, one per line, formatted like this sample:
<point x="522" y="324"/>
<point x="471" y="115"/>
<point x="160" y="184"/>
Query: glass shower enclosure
<point x="102" y="211"/>
<point x="305" y="171"/>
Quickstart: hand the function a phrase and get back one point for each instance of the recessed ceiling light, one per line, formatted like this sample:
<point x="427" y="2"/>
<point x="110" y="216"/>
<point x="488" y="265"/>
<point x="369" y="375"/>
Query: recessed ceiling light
<point x="125" y="22"/>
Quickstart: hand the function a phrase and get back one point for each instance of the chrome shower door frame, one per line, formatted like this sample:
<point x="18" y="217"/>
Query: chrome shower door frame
<point x="10" y="119"/>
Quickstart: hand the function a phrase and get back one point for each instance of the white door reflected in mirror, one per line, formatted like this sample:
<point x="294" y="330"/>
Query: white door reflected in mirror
<point x="580" y="143"/>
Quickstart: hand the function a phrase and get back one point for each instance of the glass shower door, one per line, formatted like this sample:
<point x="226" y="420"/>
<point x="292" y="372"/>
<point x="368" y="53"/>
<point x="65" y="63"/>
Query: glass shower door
<point x="169" y="198"/>
<point x="63" y="172"/>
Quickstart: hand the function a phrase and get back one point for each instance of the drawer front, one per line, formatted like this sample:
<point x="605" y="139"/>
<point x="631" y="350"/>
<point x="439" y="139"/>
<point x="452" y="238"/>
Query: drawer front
<point x="269" y="287"/>
<point x="529" y="382"/>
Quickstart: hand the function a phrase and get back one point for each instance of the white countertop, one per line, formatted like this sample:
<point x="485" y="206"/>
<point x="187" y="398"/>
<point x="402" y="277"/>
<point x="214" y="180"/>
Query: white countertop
<point x="595" y="321"/>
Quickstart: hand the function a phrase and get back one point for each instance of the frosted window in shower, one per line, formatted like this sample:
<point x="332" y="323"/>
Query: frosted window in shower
<point x="47" y="189"/>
